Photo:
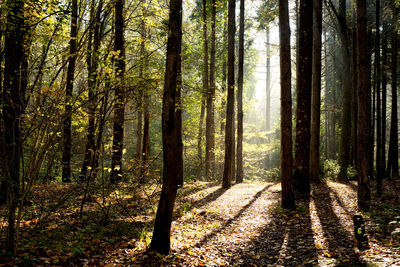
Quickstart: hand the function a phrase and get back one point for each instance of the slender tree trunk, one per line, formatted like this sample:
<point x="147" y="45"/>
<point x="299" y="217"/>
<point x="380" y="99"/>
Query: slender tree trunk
<point x="384" y="84"/>
<point x="210" y="128"/>
<point x="393" y="165"/>
<point x="364" y="104"/>
<point x="67" y="141"/>
<point x="14" y="87"/>
<point x="379" y="170"/>
<point x="200" y="138"/>
<point x="268" y="82"/>
<point x="229" y="134"/>
<point x="206" y="91"/>
<point x="119" y="105"/>
<point x="327" y="100"/>
<point x="139" y="122"/>
<point x="354" y="92"/>
<point x="239" y="153"/>
<point x="316" y="91"/>
<point x="92" y="64"/>
<point x="344" y="148"/>
<point x="303" y="110"/>
<point x="171" y="148"/>
<point x="286" y="107"/>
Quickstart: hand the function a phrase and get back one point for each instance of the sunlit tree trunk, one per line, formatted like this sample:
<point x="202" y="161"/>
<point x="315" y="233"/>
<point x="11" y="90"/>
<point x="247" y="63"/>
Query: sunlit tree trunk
<point x="171" y="148"/>
<point x="67" y="139"/>
<point x="286" y="107"/>
<point x="303" y="108"/>
<point x="210" y="128"/>
<point x="200" y="138"/>
<point x="316" y="91"/>
<point x="239" y="152"/>
<point x="393" y="165"/>
<point x="364" y="105"/>
<point x="229" y="134"/>
<point x="205" y="78"/>
<point x="119" y="98"/>
<point x="384" y="96"/>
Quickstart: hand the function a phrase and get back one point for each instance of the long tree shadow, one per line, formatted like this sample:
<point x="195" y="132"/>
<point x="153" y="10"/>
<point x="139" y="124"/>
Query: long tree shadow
<point x="226" y="225"/>
<point x="339" y="241"/>
<point x="286" y="240"/>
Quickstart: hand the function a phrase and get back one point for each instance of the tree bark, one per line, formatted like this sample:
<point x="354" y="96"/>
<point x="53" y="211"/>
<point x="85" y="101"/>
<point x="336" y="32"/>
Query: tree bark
<point x="239" y="151"/>
<point x="92" y="64"/>
<point x="393" y="165"/>
<point x="344" y="148"/>
<point x="286" y="107"/>
<point x="146" y="97"/>
<point x="364" y="105"/>
<point x="210" y="128"/>
<point x="119" y="98"/>
<point x="206" y="81"/>
<point x="15" y="63"/>
<point x="379" y="170"/>
<point x="384" y="96"/>
<point x="229" y="134"/>
<point x="303" y="110"/>
<point x="67" y="140"/>
<point x="316" y="91"/>
<point x="171" y="152"/>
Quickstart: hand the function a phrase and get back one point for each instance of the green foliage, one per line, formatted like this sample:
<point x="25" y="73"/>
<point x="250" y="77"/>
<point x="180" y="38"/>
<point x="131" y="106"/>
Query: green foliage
<point x="331" y="168"/>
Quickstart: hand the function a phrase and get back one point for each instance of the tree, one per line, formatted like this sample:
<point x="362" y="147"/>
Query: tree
<point x="393" y="157"/>
<point x="14" y="88"/>
<point x="364" y="105"/>
<point x="239" y="152"/>
<point x="210" y="124"/>
<point x="379" y="169"/>
<point x="286" y="107"/>
<point x="92" y="65"/>
<point x="172" y="152"/>
<point x="67" y="139"/>
<point x="119" y="99"/>
<point x="229" y="134"/>
<point x="303" y="90"/>
<point x="316" y="91"/>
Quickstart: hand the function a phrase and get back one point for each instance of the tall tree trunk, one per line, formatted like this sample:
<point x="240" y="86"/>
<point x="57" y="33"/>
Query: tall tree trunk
<point x="354" y="92"/>
<point x="171" y="148"/>
<point x="239" y="152"/>
<point x="268" y="82"/>
<point x="119" y="102"/>
<point x="316" y="91"/>
<point x="224" y="81"/>
<point x="384" y="84"/>
<point x="67" y="140"/>
<point x="379" y="170"/>
<point x="206" y="81"/>
<point x="229" y="134"/>
<point x="326" y="96"/>
<point x="286" y="107"/>
<point x="393" y="165"/>
<point x="344" y="148"/>
<point x="210" y="128"/>
<point x="146" y="96"/>
<point x="139" y="122"/>
<point x="200" y="138"/>
<point x="14" y="87"/>
<point x="364" y="104"/>
<point x="303" y="110"/>
<point x="92" y="64"/>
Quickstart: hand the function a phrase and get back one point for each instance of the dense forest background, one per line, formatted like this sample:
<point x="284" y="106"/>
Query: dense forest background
<point x="116" y="114"/>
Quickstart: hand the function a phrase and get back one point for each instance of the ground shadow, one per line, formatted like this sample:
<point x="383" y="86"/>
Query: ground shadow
<point x="286" y="240"/>
<point x="340" y="243"/>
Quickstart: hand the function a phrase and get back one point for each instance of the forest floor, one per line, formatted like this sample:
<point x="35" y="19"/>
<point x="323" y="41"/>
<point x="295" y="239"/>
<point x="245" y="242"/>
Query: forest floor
<point x="243" y="225"/>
